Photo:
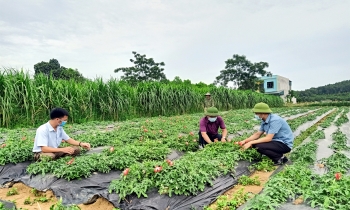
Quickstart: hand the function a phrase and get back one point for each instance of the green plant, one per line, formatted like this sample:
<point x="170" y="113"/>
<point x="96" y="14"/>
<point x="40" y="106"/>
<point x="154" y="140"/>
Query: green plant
<point x="265" y="165"/>
<point x="12" y="191"/>
<point x="35" y="192"/>
<point x="237" y="199"/>
<point x="246" y="180"/>
<point x="27" y="201"/>
<point x="59" y="206"/>
<point x="42" y="199"/>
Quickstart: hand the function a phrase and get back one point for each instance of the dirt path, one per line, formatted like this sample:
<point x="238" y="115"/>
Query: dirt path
<point x="263" y="178"/>
<point x="25" y="192"/>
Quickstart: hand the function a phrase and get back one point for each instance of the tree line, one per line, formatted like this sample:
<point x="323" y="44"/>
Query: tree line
<point x="239" y="71"/>
<point x="339" y="91"/>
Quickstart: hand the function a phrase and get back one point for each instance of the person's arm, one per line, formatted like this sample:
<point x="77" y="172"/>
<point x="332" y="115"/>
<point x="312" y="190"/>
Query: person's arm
<point x="224" y="135"/>
<point x="203" y="130"/>
<point x="206" y="137"/>
<point x="253" y="137"/>
<point x="74" y="142"/>
<point x="47" y="149"/>
<point x="78" y="143"/>
<point x="267" y="138"/>
<point x="223" y="128"/>
<point x="275" y="126"/>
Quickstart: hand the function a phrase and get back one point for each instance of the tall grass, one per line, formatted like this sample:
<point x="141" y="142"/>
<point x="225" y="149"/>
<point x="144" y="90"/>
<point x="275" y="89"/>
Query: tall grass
<point x="26" y="101"/>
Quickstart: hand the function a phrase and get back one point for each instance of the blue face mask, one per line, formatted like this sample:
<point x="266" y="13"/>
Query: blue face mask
<point x="257" y="117"/>
<point x="212" y="119"/>
<point x="63" y="123"/>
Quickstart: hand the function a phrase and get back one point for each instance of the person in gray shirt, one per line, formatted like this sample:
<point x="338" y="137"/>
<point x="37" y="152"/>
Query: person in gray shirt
<point x="50" y="135"/>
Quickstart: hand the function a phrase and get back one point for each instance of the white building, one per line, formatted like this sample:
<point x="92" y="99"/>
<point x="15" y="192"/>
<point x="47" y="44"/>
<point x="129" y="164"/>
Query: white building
<point x="277" y="85"/>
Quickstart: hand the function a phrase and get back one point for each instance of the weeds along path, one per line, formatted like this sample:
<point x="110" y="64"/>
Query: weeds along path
<point x="301" y="124"/>
<point x="299" y="114"/>
<point x="345" y="128"/>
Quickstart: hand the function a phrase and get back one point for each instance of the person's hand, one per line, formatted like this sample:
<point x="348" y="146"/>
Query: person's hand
<point x="223" y="140"/>
<point x="85" y="145"/>
<point x="68" y="150"/>
<point x="216" y="140"/>
<point x="247" y="145"/>
<point x="243" y="142"/>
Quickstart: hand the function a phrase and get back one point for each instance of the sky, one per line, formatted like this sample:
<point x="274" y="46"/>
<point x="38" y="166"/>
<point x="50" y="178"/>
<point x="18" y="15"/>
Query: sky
<point x="306" y="41"/>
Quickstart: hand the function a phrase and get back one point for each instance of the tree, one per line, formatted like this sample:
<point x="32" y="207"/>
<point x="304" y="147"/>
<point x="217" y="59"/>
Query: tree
<point x="242" y="73"/>
<point x="47" y="67"/>
<point x="177" y="80"/>
<point x="58" y="72"/>
<point x="69" y="73"/>
<point x="144" y="69"/>
<point x="290" y="95"/>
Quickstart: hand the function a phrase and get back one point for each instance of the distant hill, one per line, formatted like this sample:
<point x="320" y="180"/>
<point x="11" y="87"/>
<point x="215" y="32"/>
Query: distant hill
<point x="339" y="91"/>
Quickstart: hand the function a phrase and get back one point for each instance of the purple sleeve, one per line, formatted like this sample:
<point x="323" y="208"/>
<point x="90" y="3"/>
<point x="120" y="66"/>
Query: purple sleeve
<point x="202" y="125"/>
<point x="222" y="124"/>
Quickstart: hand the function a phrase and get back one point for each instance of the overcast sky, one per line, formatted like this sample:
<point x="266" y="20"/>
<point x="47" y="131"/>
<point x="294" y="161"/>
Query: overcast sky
<point x="306" y="41"/>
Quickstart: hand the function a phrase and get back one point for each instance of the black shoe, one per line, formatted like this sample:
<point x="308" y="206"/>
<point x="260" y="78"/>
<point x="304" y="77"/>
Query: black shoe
<point x="281" y="161"/>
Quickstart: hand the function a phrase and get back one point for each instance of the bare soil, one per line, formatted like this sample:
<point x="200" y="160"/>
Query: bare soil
<point x="24" y="192"/>
<point x="263" y="177"/>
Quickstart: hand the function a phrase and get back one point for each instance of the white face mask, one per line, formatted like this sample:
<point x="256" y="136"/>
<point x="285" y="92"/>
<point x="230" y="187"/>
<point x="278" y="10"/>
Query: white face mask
<point x="212" y="119"/>
<point x="257" y="117"/>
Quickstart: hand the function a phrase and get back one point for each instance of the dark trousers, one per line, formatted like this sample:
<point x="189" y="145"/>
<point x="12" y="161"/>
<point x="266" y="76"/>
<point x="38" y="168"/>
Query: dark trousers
<point x="273" y="149"/>
<point x="56" y="155"/>
<point x="202" y="142"/>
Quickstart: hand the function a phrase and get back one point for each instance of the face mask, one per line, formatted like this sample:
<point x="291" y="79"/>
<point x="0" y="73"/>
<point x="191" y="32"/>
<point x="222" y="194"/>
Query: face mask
<point x="212" y="119"/>
<point x="63" y="123"/>
<point x="257" y="117"/>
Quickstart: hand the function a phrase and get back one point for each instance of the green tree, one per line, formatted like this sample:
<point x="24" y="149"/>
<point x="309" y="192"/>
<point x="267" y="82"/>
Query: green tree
<point x="177" y="80"/>
<point x="69" y="73"/>
<point x="144" y="69"/>
<point x="47" y="67"/>
<point x="57" y="71"/>
<point x="290" y="95"/>
<point x="337" y="91"/>
<point x="242" y="72"/>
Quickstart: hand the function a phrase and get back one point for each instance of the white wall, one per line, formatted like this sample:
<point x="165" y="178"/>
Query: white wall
<point x="283" y="84"/>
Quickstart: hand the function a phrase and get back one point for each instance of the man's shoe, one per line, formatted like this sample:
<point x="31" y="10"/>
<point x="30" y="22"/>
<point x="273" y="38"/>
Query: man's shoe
<point x="281" y="161"/>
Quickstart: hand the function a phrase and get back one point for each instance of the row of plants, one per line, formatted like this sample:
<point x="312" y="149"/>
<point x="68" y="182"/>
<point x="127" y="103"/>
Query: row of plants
<point x="343" y="117"/>
<point x="296" y="111"/>
<point x="299" y="183"/>
<point x="339" y="141"/>
<point x="239" y="198"/>
<point x="296" y="122"/>
<point x="330" y="119"/>
<point x="185" y="176"/>
<point x="115" y="158"/>
<point x="172" y="130"/>
<point x="123" y="187"/>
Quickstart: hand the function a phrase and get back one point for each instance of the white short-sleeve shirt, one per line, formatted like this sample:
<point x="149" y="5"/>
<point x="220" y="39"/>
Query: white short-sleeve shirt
<point x="47" y="136"/>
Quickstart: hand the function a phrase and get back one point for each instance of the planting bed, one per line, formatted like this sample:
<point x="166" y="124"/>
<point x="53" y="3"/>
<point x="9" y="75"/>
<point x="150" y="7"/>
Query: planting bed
<point x="155" y="163"/>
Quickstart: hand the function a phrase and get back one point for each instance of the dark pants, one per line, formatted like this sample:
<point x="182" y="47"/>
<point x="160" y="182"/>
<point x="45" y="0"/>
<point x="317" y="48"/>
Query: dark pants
<point x="56" y="155"/>
<point x="202" y="142"/>
<point x="273" y="149"/>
